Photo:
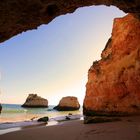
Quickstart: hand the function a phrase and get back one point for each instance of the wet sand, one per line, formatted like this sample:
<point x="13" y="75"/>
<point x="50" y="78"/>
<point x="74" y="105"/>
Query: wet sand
<point x="126" y="129"/>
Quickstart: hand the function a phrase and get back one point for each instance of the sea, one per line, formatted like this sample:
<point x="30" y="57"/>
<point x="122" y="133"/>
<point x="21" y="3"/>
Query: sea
<point x="14" y="117"/>
<point x="16" y="113"/>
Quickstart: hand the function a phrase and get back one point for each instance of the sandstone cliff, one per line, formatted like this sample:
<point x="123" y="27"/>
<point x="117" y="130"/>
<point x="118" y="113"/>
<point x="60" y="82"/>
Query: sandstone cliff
<point x="35" y="101"/>
<point x="68" y="104"/>
<point x="113" y="85"/>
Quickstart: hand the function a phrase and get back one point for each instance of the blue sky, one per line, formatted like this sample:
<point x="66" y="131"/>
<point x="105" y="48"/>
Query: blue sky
<point x="53" y="60"/>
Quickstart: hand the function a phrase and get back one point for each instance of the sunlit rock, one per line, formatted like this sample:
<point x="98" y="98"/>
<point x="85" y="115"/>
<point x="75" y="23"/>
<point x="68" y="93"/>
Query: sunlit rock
<point x="33" y="100"/>
<point x="113" y="86"/>
<point x="68" y="104"/>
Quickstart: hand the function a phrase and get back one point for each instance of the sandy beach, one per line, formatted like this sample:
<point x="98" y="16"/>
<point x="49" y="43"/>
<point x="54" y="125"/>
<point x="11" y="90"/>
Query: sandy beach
<point x="126" y="129"/>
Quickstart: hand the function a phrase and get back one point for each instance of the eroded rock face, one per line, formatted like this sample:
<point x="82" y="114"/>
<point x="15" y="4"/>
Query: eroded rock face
<point x="17" y="16"/>
<point x="35" y="101"/>
<point x="68" y="104"/>
<point x="113" y="86"/>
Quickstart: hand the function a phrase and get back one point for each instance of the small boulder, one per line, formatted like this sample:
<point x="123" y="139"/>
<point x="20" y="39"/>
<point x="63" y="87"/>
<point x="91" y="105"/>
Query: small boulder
<point x="67" y="118"/>
<point x="35" y="101"/>
<point x="68" y="103"/>
<point x="70" y="114"/>
<point x="43" y="119"/>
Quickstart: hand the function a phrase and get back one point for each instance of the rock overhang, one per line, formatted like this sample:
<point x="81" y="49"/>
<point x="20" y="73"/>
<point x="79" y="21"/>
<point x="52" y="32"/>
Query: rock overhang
<point x="18" y="16"/>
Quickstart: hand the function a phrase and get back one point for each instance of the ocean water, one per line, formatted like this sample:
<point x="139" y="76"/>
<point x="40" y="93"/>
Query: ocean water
<point x="15" y="113"/>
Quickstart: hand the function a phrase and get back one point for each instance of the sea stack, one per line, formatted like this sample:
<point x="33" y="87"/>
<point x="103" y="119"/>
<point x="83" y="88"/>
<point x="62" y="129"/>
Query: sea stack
<point x="113" y="86"/>
<point x="35" y="101"/>
<point x="68" y="103"/>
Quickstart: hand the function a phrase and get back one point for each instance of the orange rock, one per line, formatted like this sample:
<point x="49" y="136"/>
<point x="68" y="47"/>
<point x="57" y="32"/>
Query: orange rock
<point x="113" y="86"/>
<point x="68" y="103"/>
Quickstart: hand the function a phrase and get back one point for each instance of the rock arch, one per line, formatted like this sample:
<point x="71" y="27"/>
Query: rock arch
<point x="17" y="16"/>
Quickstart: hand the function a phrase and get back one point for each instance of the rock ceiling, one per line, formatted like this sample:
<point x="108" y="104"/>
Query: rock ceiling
<point x="17" y="16"/>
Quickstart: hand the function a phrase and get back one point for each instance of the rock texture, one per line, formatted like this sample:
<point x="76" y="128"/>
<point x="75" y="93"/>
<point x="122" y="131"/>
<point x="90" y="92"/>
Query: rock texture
<point x="43" y="119"/>
<point x="17" y="16"/>
<point x="113" y="86"/>
<point x="68" y="104"/>
<point x="35" y="101"/>
<point x="99" y="119"/>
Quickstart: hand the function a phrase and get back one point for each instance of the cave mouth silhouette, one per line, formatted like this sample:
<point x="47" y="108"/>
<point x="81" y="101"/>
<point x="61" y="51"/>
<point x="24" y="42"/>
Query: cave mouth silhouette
<point x="35" y="13"/>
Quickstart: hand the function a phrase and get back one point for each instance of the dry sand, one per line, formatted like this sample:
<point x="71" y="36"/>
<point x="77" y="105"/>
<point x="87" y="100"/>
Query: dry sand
<point x="127" y="129"/>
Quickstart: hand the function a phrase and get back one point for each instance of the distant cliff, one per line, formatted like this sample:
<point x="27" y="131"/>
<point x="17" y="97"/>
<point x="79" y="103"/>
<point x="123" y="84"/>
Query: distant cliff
<point x="33" y="100"/>
<point x="113" y="86"/>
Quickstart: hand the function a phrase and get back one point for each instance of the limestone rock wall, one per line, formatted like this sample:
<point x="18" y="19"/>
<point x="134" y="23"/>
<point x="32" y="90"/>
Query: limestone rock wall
<point x="17" y="16"/>
<point x="113" y="85"/>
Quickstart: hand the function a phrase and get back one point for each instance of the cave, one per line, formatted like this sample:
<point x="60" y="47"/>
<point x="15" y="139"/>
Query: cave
<point x="122" y="83"/>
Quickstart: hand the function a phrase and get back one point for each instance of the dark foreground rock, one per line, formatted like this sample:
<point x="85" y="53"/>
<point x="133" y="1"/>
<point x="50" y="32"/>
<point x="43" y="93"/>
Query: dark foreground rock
<point x="35" y="101"/>
<point x="68" y="104"/>
<point x="14" y="15"/>
<point x="97" y="119"/>
<point x="43" y="119"/>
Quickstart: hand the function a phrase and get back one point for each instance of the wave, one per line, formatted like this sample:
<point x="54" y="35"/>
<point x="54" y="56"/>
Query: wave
<point x="14" y="111"/>
<point x="14" y="108"/>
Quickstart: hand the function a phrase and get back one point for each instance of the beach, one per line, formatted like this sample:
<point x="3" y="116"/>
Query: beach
<point x="15" y="113"/>
<point x="126" y="129"/>
<point x="14" y="117"/>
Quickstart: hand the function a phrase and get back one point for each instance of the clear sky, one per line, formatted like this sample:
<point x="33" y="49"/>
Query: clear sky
<point x="53" y="60"/>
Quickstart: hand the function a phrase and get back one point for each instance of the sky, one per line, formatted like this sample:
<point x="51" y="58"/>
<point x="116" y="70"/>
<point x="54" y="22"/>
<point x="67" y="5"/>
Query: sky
<point x="53" y="61"/>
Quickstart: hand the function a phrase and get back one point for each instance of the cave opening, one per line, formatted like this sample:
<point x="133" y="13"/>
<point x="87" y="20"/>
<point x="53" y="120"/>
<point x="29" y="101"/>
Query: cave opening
<point x="68" y="31"/>
<point x="53" y="60"/>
